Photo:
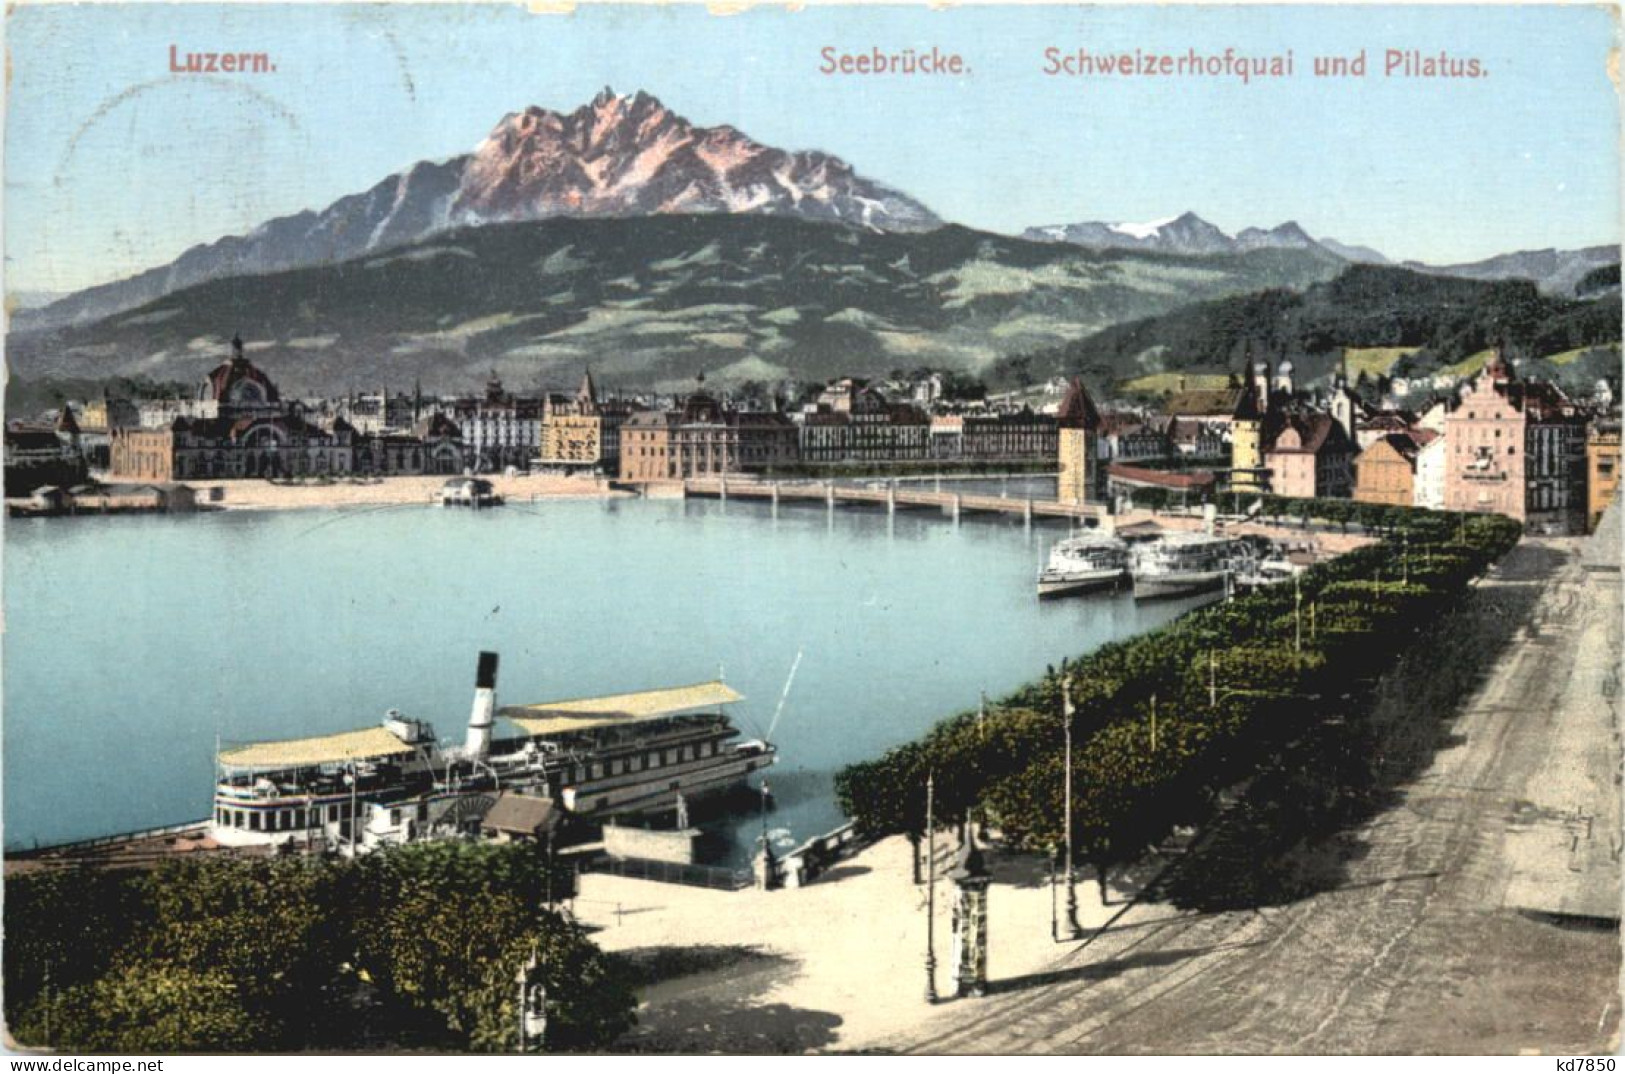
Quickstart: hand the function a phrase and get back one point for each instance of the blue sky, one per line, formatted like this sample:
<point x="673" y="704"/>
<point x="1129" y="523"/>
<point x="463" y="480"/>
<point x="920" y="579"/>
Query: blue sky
<point x="113" y="164"/>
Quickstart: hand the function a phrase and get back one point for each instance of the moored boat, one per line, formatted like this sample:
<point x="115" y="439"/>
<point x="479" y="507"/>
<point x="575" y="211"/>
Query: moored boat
<point x="1083" y="564"/>
<point x="1181" y="564"/>
<point x="596" y="758"/>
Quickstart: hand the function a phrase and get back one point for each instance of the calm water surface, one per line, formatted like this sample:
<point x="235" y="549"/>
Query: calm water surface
<point x="132" y="643"/>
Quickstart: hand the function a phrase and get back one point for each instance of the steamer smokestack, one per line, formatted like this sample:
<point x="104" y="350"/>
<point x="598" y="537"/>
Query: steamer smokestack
<point x="478" y="742"/>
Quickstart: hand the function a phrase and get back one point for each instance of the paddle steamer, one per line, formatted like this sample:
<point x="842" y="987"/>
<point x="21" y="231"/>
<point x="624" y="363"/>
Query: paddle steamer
<point x="596" y="758"/>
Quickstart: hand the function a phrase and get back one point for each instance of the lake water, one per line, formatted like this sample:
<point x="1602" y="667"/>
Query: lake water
<point x="132" y="643"/>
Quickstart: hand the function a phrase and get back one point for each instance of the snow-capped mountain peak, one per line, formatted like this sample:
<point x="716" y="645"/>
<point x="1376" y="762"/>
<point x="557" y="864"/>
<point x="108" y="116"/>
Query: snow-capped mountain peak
<point x="613" y="156"/>
<point x="1186" y="233"/>
<point x="624" y="156"/>
<point x="1143" y="231"/>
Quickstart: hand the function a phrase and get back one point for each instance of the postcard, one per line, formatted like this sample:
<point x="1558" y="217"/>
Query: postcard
<point x="779" y="529"/>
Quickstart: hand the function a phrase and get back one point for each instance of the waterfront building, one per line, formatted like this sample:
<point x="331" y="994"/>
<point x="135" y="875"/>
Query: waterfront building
<point x="252" y="433"/>
<point x="1280" y="445"/>
<point x="702" y="439"/>
<point x="124" y="497"/>
<point x="1078" y="445"/>
<point x="947" y="436"/>
<point x="871" y="429"/>
<point x="1021" y="436"/>
<point x="577" y="432"/>
<point x="434" y="446"/>
<point x="37" y="455"/>
<point x="1517" y="448"/>
<point x="1602" y="470"/>
<point x="501" y="429"/>
<point x="1307" y="455"/>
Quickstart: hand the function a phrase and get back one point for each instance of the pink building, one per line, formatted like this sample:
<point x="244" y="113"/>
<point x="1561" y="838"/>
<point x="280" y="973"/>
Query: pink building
<point x="1516" y="448"/>
<point x="1309" y="455"/>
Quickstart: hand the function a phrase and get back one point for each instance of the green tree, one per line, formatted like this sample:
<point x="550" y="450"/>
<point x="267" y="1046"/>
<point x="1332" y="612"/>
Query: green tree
<point x="278" y="929"/>
<point x="145" y="1007"/>
<point x="448" y="926"/>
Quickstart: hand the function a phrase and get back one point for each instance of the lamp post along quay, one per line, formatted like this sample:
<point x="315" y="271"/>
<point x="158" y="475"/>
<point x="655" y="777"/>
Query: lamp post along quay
<point x="930" y="893"/>
<point x="1071" y="888"/>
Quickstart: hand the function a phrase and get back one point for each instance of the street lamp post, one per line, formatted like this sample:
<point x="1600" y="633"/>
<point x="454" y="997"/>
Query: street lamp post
<point x="930" y="893"/>
<point x="1054" y="915"/>
<point x="350" y="778"/>
<point x="1297" y="614"/>
<point x="1071" y="888"/>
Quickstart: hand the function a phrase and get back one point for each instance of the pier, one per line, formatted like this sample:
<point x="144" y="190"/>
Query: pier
<point x="952" y="504"/>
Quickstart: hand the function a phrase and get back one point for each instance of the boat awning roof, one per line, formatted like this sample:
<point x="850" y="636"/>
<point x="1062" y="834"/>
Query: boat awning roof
<point x="584" y="713"/>
<point x="310" y="752"/>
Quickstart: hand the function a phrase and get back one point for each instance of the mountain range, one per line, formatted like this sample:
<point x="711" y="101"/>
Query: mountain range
<point x="1555" y="271"/>
<point x="622" y="235"/>
<point x="614" y="156"/>
<point x="1188" y="233"/>
<point x="650" y="302"/>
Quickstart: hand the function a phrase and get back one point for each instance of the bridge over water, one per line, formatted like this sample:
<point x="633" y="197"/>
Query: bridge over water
<point x="952" y="503"/>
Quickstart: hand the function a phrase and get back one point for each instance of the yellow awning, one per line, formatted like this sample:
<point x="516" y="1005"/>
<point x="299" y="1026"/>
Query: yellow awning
<point x="309" y="752"/>
<point x="585" y="713"/>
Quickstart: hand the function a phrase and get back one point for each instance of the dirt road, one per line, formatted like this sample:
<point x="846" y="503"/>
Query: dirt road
<point x="1405" y="910"/>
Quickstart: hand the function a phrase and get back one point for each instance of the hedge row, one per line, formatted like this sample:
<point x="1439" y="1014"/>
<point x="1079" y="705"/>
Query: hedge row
<point x="1164" y="720"/>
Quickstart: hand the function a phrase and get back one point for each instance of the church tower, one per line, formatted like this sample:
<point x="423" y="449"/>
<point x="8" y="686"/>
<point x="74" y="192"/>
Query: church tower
<point x="1247" y="439"/>
<point x="1344" y="402"/>
<point x="1079" y="432"/>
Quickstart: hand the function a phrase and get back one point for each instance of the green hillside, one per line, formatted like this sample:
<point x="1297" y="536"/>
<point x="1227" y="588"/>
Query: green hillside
<point x="1409" y="323"/>
<point x="650" y="302"/>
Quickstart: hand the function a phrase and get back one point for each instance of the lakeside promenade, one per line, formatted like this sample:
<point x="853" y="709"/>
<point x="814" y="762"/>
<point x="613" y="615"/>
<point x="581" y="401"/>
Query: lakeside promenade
<point x="254" y="494"/>
<point x="1476" y="913"/>
<point x="1491" y="861"/>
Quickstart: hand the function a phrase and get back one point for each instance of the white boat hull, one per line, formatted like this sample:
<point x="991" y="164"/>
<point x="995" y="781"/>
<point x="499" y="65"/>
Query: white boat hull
<point x="1176" y="584"/>
<point x="1057" y="584"/>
